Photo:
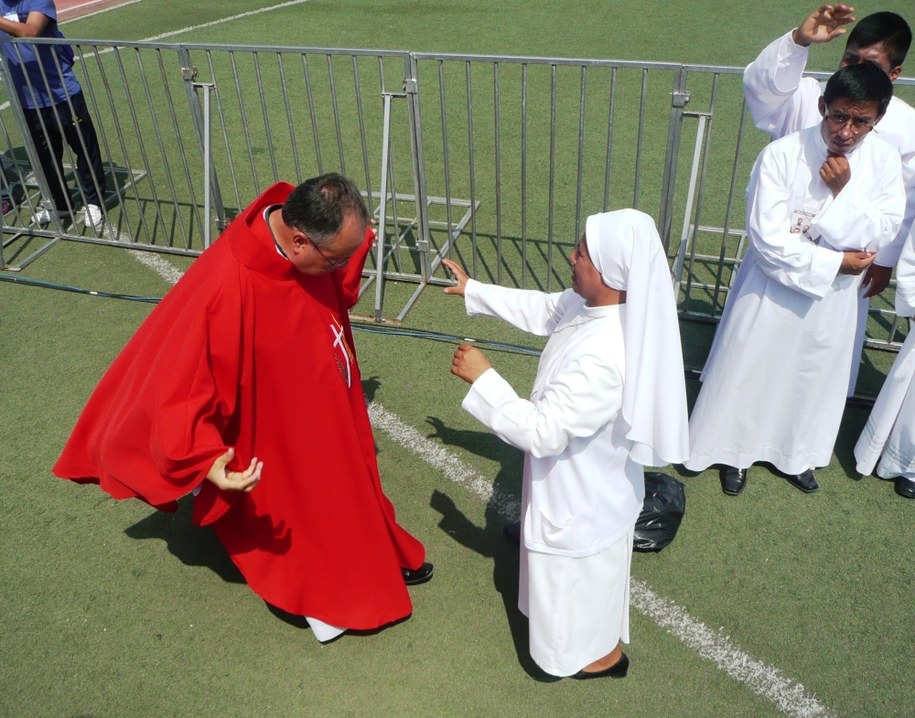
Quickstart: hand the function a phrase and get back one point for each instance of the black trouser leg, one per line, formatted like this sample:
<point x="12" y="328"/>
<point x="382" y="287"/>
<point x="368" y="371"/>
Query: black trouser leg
<point x="45" y="131"/>
<point x="49" y="126"/>
<point x="81" y="137"/>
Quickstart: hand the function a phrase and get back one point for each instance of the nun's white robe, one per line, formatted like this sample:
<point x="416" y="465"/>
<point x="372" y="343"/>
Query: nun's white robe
<point x="774" y="384"/>
<point x="581" y="493"/>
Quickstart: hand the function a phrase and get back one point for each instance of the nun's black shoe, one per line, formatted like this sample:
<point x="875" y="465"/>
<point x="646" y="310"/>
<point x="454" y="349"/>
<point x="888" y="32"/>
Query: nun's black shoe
<point x="905" y="487"/>
<point x="732" y="480"/>
<point x="512" y="531"/>
<point x="617" y="670"/>
<point x="804" y="481"/>
<point x="416" y="576"/>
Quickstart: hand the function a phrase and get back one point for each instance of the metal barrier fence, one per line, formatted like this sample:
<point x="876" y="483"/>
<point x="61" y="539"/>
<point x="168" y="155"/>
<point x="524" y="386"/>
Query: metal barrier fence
<point x="495" y="160"/>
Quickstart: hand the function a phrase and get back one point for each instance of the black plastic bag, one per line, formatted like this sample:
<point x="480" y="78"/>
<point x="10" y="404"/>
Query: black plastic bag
<point x="662" y="512"/>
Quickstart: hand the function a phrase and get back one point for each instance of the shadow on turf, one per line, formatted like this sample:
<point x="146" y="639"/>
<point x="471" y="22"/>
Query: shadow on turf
<point x="197" y="546"/>
<point x="488" y="540"/>
<point x="192" y="545"/>
<point x="852" y="424"/>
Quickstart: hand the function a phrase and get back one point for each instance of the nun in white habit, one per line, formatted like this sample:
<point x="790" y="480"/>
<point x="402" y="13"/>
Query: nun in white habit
<point x="608" y="400"/>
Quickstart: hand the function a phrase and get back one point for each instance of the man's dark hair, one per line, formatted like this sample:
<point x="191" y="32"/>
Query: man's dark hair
<point x="320" y="205"/>
<point x="865" y="82"/>
<point x="883" y="28"/>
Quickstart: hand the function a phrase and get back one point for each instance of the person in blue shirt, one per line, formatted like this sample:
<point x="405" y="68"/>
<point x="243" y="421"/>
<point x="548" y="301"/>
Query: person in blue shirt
<point x="54" y="106"/>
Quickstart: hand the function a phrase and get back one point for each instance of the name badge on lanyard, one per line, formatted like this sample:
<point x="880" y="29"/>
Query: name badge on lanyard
<point x="800" y="224"/>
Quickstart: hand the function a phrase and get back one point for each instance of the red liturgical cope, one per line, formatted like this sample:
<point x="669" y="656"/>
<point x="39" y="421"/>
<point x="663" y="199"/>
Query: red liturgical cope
<point x="245" y="351"/>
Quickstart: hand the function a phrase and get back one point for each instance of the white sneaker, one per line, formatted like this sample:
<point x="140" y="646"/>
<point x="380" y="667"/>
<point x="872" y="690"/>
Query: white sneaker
<point x="91" y="215"/>
<point x="46" y="216"/>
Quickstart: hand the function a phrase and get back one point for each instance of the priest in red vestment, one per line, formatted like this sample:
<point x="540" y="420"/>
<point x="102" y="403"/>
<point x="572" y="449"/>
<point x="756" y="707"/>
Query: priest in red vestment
<point x="242" y="387"/>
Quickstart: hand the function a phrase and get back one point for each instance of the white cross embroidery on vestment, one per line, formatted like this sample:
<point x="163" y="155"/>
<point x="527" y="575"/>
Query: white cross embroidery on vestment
<point x="340" y="341"/>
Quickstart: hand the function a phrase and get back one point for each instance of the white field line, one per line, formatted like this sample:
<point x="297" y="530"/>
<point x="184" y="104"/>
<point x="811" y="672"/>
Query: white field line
<point x="62" y="15"/>
<point x="789" y="696"/>
<point x="766" y="681"/>
<point x="152" y="260"/>
<point x="440" y="458"/>
<point x="158" y="264"/>
<point x="231" y="18"/>
<point x="189" y="28"/>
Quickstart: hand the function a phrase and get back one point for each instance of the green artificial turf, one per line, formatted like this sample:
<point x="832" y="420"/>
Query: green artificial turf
<point x="113" y="609"/>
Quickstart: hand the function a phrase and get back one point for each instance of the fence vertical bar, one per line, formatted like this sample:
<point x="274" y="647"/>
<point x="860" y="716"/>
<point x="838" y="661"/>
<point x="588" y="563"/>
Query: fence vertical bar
<point x="579" y="174"/>
<point x="207" y="230"/>
<point x="382" y="210"/>
<point x="497" y="148"/>
<point x="551" y="198"/>
<point x="201" y="127"/>
<point x="414" y="119"/>
<point x="679" y="96"/>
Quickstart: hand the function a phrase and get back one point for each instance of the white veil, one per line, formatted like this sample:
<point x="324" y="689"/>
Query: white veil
<point x="626" y="250"/>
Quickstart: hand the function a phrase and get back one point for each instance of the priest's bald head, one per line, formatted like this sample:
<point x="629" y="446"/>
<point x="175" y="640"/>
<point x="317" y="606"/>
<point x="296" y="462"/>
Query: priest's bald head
<point x="323" y="224"/>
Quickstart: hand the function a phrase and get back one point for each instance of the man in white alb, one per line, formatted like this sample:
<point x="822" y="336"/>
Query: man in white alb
<point x="887" y="442"/>
<point x="782" y="101"/>
<point x="821" y="204"/>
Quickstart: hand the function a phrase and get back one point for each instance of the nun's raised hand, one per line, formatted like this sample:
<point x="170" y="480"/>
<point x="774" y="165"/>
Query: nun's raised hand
<point x="459" y="275"/>
<point x="469" y="363"/>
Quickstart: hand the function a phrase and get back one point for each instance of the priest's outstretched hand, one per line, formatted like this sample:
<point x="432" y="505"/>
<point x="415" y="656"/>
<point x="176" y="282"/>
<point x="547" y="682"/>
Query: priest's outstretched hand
<point x="235" y="480"/>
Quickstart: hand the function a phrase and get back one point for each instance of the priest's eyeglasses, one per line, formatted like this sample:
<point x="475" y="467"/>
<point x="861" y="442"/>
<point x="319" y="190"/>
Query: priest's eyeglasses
<point x="331" y="263"/>
<point x="857" y="124"/>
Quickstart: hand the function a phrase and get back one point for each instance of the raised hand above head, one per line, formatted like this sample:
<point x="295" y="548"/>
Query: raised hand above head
<point x="824" y="24"/>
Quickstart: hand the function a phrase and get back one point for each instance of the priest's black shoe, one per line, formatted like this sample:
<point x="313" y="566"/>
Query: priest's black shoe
<point x="512" y="531"/>
<point x="804" y="481"/>
<point x="617" y="670"/>
<point x="905" y="487"/>
<point x="732" y="480"/>
<point x="416" y="576"/>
